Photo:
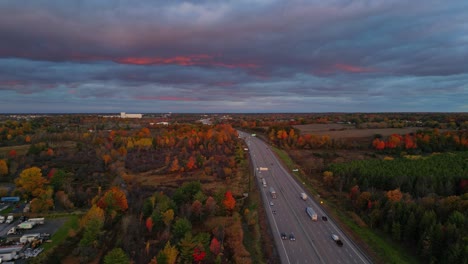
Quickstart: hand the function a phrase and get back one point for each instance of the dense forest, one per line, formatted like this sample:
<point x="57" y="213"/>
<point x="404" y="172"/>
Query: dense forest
<point x="188" y="208"/>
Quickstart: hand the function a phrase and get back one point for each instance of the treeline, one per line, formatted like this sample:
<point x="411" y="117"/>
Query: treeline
<point x="426" y="141"/>
<point x="441" y="174"/>
<point x="421" y="202"/>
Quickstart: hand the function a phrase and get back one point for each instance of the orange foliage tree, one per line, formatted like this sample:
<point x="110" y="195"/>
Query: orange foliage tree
<point x="3" y="168"/>
<point x="229" y="201"/>
<point x="394" y="195"/>
<point x="114" y="200"/>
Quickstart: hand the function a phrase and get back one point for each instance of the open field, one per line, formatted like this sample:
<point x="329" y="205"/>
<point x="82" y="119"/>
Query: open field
<point x="338" y="131"/>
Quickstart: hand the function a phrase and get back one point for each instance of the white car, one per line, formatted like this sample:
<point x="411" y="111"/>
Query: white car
<point x="271" y="204"/>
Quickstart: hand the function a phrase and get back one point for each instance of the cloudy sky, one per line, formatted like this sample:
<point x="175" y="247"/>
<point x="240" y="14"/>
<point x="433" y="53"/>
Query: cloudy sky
<point x="96" y="56"/>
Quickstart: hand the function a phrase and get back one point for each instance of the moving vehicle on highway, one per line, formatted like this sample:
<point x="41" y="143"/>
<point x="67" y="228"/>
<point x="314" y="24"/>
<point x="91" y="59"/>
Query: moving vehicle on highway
<point x="292" y="237"/>
<point x="284" y="236"/>
<point x="273" y="193"/>
<point x="337" y="240"/>
<point x="312" y="214"/>
<point x="304" y="196"/>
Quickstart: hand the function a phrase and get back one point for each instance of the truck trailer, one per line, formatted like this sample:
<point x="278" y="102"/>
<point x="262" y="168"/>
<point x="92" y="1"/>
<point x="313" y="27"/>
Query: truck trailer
<point x="37" y="221"/>
<point x="312" y="214"/>
<point x="273" y="193"/>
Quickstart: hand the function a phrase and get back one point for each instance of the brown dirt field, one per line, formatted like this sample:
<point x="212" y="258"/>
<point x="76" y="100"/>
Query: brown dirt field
<point x="344" y="131"/>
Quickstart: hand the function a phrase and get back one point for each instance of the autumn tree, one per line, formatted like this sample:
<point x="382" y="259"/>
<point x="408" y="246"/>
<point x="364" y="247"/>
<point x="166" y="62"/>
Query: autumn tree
<point x="198" y="255"/>
<point x="43" y="202"/>
<point x="171" y="253"/>
<point x="394" y="195"/>
<point x="328" y="178"/>
<point x="31" y="182"/>
<point x="3" y="168"/>
<point x="197" y="209"/>
<point x="114" y="200"/>
<point x="106" y="158"/>
<point x="229" y="201"/>
<point x="215" y="246"/>
<point x="62" y="198"/>
<point x="210" y="205"/>
<point x="168" y="216"/>
<point x="95" y="213"/>
<point x="174" y="165"/>
<point x="149" y="224"/>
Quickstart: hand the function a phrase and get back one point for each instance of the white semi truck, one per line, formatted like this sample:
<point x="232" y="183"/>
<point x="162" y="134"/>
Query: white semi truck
<point x="312" y="214"/>
<point x="273" y="193"/>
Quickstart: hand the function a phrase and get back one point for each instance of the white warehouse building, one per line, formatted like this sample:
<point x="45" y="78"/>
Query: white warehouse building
<point x="125" y="115"/>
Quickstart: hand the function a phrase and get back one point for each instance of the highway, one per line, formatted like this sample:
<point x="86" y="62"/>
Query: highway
<point x="313" y="243"/>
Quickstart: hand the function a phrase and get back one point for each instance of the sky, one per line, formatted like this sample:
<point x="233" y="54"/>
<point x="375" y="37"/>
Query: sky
<point x="239" y="56"/>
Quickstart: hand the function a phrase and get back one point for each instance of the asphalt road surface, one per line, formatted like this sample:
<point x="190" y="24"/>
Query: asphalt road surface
<point x="313" y="241"/>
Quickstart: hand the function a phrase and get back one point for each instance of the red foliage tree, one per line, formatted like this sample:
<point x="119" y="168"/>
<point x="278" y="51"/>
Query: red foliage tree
<point x="198" y="255"/>
<point x="114" y="199"/>
<point x="215" y="246"/>
<point x="149" y="224"/>
<point x="190" y="163"/>
<point x="12" y="153"/>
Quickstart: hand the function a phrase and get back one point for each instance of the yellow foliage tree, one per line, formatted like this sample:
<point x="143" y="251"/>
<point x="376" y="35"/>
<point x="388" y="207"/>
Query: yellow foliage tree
<point x="171" y="253"/>
<point x="94" y="213"/>
<point x="31" y="182"/>
<point x="3" y="168"/>
<point x="168" y="216"/>
<point x="43" y="203"/>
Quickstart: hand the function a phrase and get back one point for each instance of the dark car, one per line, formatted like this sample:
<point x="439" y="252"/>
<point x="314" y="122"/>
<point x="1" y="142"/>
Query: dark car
<point x="292" y="237"/>
<point x="283" y="236"/>
<point x="324" y="218"/>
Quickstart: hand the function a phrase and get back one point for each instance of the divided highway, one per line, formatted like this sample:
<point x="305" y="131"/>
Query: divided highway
<point x="287" y="214"/>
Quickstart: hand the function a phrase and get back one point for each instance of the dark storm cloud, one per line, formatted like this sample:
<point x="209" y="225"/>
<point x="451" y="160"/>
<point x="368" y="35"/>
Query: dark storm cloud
<point x="228" y="55"/>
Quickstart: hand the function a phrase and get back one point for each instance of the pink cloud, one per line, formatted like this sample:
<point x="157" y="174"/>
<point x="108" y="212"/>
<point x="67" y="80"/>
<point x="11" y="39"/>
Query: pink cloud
<point x="190" y="60"/>
<point x="352" y="68"/>
<point x="165" y="98"/>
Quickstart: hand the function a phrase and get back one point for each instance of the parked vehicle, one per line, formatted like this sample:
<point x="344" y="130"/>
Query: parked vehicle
<point x="37" y="221"/>
<point x="14" y="231"/>
<point x="26" y="225"/>
<point x="304" y="196"/>
<point x="312" y="214"/>
<point x="29" y="238"/>
<point x="9" y="219"/>
<point x="2" y="219"/>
